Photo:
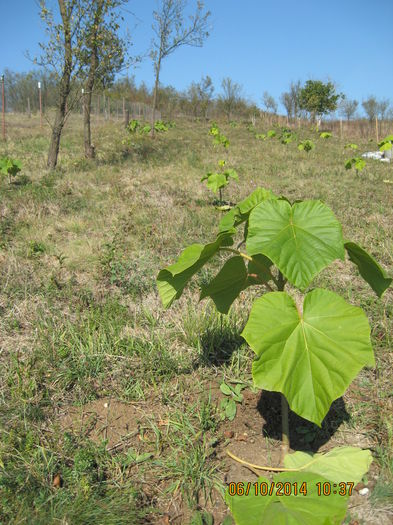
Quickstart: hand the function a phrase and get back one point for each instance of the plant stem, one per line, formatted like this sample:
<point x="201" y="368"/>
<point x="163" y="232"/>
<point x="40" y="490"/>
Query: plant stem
<point x="284" y="429"/>
<point x="220" y="190"/>
<point x="281" y="281"/>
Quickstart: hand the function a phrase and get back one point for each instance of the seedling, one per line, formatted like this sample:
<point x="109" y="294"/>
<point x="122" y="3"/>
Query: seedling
<point x="357" y="162"/>
<point x="271" y="133"/>
<point x="10" y="167"/>
<point x="216" y="181"/>
<point x="260" y="136"/>
<point x="386" y="143"/>
<point x="287" y="137"/>
<point x="306" y="145"/>
<point x="233" y="396"/>
<point x="219" y="138"/>
<point x="325" y="135"/>
<point x="351" y="146"/>
<point x="309" y="346"/>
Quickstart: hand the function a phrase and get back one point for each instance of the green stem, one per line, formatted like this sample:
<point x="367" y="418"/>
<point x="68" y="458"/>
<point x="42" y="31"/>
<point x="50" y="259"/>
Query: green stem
<point x="281" y="281"/>
<point x="284" y="429"/>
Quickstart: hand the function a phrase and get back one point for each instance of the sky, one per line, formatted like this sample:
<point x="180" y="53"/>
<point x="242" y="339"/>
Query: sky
<point x="261" y="44"/>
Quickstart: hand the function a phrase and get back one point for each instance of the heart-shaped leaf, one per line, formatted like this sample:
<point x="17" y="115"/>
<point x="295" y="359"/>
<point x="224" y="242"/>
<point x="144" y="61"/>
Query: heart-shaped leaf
<point x="227" y="284"/>
<point x="368" y="268"/>
<point x="300" y="509"/>
<point x="172" y="280"/>
<point x="242" y="210"/>
<point x="340" y="465"/>
<point x="311" y="357"/>
<point x="301" y="239"/>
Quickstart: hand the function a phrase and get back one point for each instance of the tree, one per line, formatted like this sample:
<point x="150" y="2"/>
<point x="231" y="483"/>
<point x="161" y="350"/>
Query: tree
<point x="370" y="107"/>
<point x="318" y="98"/>
<point x="383" y="106"/>
<point x="287" y="102"/>
<point x="348" y="108"/>
<point x="269" y="103"/>
<point x="294" y="90"/>
<point x="61" y="54"/>
<point x="199" y="95"/>
<point x="102" y="54"/>
<point x="171" y="32"/>
<point x="230" y="96"/>
<point x="82" y="50"/>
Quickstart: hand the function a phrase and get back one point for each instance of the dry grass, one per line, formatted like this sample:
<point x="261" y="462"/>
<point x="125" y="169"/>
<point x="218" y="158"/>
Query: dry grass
<point x="80" y="317"/>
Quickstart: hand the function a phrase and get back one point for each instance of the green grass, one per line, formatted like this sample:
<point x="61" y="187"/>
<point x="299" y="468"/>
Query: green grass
<point x="80" y="317"/>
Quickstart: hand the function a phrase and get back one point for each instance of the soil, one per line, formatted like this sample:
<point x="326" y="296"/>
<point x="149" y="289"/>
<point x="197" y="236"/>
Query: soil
<point x="254" y="436"/>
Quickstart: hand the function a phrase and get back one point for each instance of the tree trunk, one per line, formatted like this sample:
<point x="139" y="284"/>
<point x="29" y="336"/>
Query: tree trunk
<point x="64" y="89"/>
<point x="89" y="148"/>
<point x="156" y="83"/>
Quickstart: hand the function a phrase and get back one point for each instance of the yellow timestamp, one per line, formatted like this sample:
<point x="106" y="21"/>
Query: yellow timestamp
<point x="265" y="488"/>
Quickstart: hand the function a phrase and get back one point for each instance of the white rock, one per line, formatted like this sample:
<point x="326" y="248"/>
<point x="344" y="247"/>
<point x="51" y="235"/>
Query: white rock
<point x="106" y="405"/>
<point x="364" y="492"/>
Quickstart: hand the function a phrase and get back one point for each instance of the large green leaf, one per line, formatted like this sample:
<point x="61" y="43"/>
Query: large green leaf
<point x="368" y="268"/>
<point x="301" y="239"/>
<point x="242" y="210"/>
<point x="215" y="181"/>
<point x="342" y="464"/>
<point x="233" y="278"/>
<point x="310" y="357"/>
<point x="300" y="509"/>
<point x="227" y="284"/>
<point x="172" y="280"/>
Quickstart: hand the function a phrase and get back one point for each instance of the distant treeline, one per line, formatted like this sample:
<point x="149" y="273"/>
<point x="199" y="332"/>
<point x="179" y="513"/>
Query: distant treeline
<point x="200" y="100"/>
<point x="22" y="95"/>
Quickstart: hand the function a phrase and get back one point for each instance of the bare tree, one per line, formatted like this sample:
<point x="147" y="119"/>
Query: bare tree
<point x="230" y="96"/>
<point x="287" y="101"/>
<point x="172" y="32"/>
<point x="348" y="108"/>
<point x="269" y="103"/>
<point x="383" y="106"/>
<point x="199" y="95"/>
<point x="370" y="107"/>
<point x="294" y="90"/>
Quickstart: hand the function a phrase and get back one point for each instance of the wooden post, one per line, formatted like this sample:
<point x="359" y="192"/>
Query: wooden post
<point x="3" y="104"/>
<point x="28" y="107"/>
<point x="341" y="128"/>
<point x="126" y="117"/>
<point x="124" y="108"/>
<point x="376" y="128"/>
<point x="40" y="97"/>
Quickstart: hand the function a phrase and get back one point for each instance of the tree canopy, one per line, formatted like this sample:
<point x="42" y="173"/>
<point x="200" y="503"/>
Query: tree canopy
<point x="318" y="98"/>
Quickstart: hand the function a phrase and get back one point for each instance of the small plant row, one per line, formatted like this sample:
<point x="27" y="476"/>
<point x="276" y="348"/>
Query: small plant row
<point x="309" y="346"/>
<point x="286" y="136"/>
<point x="135" y="126"/>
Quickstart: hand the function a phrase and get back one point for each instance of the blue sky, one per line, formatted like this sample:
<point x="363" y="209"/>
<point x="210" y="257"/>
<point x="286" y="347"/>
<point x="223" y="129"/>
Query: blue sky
<point x="263" y="45"/>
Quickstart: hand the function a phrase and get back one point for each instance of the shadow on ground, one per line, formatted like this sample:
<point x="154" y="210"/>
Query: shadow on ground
<point x="303" y="434"/>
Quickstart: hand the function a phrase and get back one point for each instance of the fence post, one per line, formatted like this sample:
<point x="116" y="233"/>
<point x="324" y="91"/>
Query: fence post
<point x="40" y="99"/>
<point x="28" y="107"/>
<point x="376" y="128"/>
<point x="3" y="104"/>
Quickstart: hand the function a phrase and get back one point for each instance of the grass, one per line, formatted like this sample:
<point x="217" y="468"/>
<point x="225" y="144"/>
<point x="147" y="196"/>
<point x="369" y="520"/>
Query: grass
<point x="81" y="321"/>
